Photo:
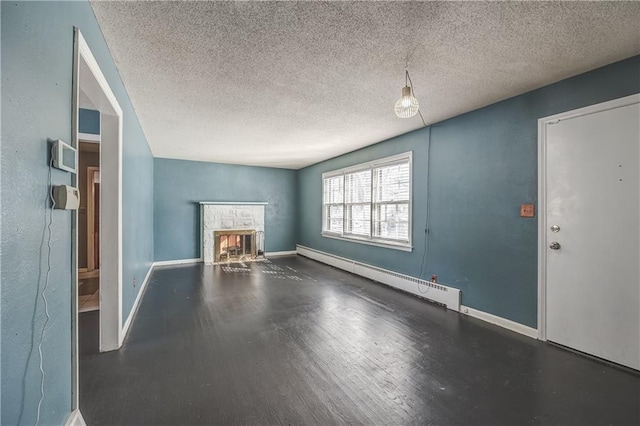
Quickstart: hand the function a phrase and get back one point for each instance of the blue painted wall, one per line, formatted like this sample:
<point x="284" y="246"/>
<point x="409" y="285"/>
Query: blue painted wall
<point x="89" y="121"/>
<point x="37" y="57"/>
<point x="179" y="185"/>
<point x="483" y="166"/>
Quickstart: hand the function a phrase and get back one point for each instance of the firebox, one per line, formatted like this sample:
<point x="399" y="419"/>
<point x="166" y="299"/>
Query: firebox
<point x="235" y="244"/>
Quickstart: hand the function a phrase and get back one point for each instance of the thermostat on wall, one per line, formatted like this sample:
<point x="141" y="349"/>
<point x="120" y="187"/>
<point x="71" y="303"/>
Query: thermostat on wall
<point x="66" y="197"/>
<point x="65" y="157"/>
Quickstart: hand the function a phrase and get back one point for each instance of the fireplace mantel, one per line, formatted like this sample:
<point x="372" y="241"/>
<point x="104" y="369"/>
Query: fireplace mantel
<point x="233" y="203"/>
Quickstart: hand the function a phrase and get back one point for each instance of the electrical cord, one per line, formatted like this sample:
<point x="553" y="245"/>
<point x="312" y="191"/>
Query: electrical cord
<point x="425" y="256"/>
<point x="46" y="285"/>
<point x="407" y="76"/>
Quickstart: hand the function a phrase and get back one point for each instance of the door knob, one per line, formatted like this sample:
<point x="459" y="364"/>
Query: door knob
<point x="554" y="245"/>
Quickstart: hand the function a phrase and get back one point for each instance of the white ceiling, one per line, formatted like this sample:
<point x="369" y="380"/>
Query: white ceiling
<point x="289" y="84"/>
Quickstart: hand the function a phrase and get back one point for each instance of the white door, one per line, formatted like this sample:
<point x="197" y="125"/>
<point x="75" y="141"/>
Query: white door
<point x="592" y="235"/>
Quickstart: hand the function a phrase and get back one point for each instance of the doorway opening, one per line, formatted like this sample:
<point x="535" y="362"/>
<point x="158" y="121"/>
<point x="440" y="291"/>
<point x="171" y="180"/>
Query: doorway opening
<point x="88" y="220"/>
<point x="96" y="229"/>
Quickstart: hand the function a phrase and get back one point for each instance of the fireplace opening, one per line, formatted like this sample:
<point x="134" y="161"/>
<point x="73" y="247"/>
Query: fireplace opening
<point x="237" y="245"/>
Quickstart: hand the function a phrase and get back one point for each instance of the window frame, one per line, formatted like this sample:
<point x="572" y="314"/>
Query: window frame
<point x="325" y="205"/>
<point x="405" y="157"/>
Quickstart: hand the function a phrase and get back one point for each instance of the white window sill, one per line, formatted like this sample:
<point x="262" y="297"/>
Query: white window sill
<point x="377" y="243"/>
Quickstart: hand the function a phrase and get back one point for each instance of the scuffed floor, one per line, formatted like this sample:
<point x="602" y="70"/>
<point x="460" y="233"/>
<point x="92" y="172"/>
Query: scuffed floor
<point x="292" y="341"/>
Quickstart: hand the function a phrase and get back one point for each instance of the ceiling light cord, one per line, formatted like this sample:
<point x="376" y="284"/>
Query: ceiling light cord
<point x="408" y="77"/>
<point x="424" y="265"/>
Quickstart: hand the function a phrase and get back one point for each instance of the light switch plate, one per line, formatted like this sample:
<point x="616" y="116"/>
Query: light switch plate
<point x="527" y="210"/>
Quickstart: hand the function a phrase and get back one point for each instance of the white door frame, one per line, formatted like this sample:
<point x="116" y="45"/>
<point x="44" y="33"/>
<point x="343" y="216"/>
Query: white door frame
<point x="111" y="333"/>
<point x="542" y="194"/>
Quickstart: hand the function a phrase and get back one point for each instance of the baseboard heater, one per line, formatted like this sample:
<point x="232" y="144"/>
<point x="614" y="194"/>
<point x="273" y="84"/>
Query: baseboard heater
<point x="448" y="296"/>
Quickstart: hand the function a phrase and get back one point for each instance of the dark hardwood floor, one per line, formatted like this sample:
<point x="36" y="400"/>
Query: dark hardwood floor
<point x="293" y="341"/>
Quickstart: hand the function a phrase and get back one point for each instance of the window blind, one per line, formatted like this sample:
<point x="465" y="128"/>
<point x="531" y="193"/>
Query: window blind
<point x="370" y="201"/>
<point x="392" y="185"/>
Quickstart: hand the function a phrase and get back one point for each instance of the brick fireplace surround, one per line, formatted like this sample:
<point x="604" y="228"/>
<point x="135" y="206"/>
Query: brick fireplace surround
<point x="220" y="216"/>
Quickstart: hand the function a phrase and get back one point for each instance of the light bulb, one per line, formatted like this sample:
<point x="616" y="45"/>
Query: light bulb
<point x="407" y="106"/>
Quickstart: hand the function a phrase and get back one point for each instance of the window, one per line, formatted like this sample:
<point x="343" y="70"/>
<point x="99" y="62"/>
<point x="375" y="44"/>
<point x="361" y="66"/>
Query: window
<point x="357" y="203"/>
<point x="370" y="202"/>
<point x="333" y="203"/>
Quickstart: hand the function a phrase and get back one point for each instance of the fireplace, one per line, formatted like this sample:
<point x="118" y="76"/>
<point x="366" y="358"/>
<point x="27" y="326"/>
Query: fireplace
<point x="235" y="244"/>
<point x="231" y="231"/>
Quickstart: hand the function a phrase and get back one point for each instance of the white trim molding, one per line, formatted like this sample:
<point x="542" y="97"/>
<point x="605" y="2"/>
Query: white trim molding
<point x="87" y="55"/>
<point x="111" y="195"/>
<point x="445" y="295"/>
<point x="500" y="321"/>
<point x="389" y="245"/>
<point x="542" y="193"/>
<point x="280" y="253"/>
<point x="136" y="305"/>
<point x="88" y="137"/>
<point x="177" y="262"/>
<point x="75" y="419"/>
<point x="234" y="203"/>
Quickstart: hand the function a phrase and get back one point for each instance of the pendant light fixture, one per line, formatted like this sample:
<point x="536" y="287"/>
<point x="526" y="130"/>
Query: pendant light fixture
<point x="407" y="106"/>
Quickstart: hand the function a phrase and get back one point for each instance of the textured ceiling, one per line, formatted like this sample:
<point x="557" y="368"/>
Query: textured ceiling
<point x="288" y="84"/>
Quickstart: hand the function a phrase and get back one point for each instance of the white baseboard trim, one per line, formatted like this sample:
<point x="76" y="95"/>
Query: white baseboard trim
<point x="177" y="262"/>
<point x="75" y="419"/>
<point x="502" y="322"/>
<point x="88" y="137"/>
<point x="136" y="304"/>
<point x="445" y="295"/>
<point x="280" y="253"/>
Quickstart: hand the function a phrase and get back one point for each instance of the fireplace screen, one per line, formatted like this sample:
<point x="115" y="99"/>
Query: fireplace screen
<point x="236" y="245"/>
